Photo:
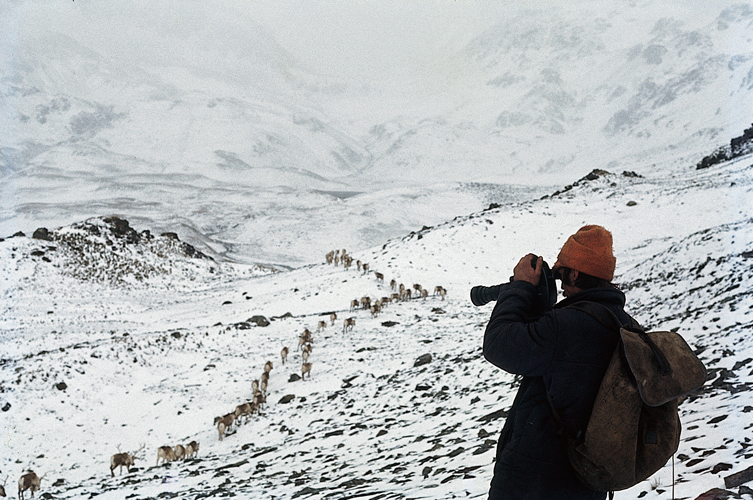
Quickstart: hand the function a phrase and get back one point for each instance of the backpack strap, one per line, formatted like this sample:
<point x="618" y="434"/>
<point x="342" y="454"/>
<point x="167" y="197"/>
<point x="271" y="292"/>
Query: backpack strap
<point x="606" y="317"/>
<point x="561" y="428"/>
<point x="609" y="320"/>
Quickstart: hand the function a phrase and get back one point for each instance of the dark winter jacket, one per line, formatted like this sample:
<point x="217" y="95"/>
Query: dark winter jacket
<point x="565" y="351"/>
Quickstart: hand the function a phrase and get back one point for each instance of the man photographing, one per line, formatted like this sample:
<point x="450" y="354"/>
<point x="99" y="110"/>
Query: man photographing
<point x="564" y="353"/>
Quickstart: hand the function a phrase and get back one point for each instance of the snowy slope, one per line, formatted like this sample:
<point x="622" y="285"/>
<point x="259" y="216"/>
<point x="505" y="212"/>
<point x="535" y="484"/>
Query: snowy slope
<point x="153" y="361"/>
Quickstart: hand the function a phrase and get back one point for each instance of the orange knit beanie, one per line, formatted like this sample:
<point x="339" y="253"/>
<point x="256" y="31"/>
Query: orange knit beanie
<point x="589" y="251"/>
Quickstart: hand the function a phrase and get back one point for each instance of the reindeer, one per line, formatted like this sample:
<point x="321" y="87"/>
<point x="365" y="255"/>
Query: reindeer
<point x="393" y="284"/>
<point x="394" y="297"/>
<point x="221" y="429"/>
<point x="376" y="309"/>
<point x="304" y="337"/>
<point x="179" y="451"/>
<point x="268" y="367"/>
<point x="348" y="324"/>
<point x="2" y="487"/>
<point x="365" y="302"/>
<point x="192" y="449"/>
<point x="321" y="326"/>
<point x="254" y="387"/>
<point x="358" y="264"/>
<point x="354" y="304"/>
<point x="264" y="385"/>
<point x="330" y="256"/>
<point x="124" y="460"/>
<point x="337" y="257"/>
<point x="332" y="318"/>
<point x="305" y="356"/>
<point x="284" y="354"/>
<point x="305" y="368"/>
<point x="417" y="287"/>
<point x="347" y="261"/>
<point x="307" y="350"/>
<point x="424" y="293"/>
<point x="379" y="277"/>
<point x="243" y="410"/>
<point x="259" y="400"/>
<point x="365" y="267"/>
<point x="405" y="294"/>
<point x="223" y="424"/>
<point x="166" y="454"/>
<point x="29" y="481"/>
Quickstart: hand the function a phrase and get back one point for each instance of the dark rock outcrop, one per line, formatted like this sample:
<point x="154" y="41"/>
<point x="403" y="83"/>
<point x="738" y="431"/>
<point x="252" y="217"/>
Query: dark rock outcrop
<point x="259" y="320"/>
<point x="122" y="229"/>
<point x="42" y="234"/>
<point x="738" y="146"/>
<point x="423" y="360"/>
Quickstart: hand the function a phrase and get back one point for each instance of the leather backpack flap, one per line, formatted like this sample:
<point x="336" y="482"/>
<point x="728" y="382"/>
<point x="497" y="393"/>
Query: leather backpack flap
<point x="656" y="384"/>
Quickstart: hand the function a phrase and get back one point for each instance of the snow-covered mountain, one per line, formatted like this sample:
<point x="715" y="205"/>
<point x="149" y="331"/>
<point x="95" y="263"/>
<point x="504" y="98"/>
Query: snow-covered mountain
<point x="183" y="132"/>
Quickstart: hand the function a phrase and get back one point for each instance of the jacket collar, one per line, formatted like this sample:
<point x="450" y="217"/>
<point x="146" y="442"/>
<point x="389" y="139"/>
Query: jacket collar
<point x="606" y="296"/>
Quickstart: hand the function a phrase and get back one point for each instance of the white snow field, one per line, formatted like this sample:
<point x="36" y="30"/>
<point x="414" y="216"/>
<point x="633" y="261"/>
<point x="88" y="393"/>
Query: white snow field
<point x="192" y="165"/>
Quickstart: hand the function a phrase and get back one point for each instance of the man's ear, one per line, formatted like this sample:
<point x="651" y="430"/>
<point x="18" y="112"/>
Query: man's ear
<point x="573" y="276"/>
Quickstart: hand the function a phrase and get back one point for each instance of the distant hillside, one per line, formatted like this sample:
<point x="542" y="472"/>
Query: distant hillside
<point x="181" y="131"/>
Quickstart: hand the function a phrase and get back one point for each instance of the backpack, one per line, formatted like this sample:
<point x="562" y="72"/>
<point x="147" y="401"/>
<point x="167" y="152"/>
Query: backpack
<point x="634" y="427"/>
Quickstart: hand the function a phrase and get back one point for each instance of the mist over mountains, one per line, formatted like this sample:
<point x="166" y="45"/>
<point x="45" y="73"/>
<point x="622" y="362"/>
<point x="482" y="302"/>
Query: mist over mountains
<point x="200" y="122"/>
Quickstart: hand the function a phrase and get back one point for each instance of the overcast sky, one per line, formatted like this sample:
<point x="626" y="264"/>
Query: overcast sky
<point x="363" y="39"/>
<point x="374" y="36"/>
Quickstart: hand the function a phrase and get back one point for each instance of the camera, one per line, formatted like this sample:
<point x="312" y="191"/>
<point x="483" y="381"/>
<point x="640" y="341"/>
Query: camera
<point x="546" y="290"/>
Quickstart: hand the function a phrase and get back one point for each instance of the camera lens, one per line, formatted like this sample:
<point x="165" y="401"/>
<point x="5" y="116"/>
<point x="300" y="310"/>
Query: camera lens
<point x="481" y="295"/>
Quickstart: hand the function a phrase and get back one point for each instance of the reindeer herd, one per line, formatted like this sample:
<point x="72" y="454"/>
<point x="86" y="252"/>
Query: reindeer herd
<point x="29" y="481"/>
<point x="168" y="453"/>
<point x="244" y="411"/>
<point x="398" y="292"/>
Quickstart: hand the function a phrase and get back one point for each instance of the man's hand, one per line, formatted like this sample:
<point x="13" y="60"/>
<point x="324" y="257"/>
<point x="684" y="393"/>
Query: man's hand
<point x="524" y="271"/>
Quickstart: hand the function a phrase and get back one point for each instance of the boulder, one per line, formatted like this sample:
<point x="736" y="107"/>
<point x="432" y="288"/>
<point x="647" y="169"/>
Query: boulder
<point x="42" y="234"/>
<point x="423" y="360"/>
<point x="259" y="320"/>
<point x="739" y="478"/>
<point x="122" y="229"/>
<point x="715" y="494"/>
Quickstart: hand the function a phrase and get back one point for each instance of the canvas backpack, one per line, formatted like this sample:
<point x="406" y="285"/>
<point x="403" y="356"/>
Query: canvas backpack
<point x="634" y="427"/>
